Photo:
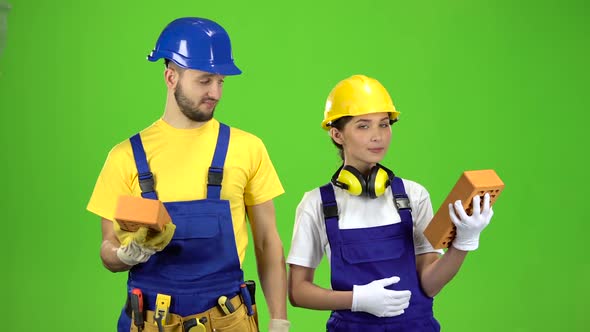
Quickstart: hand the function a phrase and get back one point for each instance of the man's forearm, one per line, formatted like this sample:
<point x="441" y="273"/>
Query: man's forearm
<point x="108" y="254"/>
<point x="273" y="277"/>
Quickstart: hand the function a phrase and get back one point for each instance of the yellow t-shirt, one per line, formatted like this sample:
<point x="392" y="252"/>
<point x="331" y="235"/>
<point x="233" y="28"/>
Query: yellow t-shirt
<point x="179" y="160"/>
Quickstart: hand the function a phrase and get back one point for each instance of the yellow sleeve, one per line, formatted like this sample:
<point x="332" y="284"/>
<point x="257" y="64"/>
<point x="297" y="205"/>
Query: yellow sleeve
<point x="114" y="180"/>
<point x="264" y="183"/>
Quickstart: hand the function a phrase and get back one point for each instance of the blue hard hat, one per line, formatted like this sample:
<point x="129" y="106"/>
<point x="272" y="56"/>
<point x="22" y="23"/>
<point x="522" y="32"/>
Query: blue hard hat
<point x="196" y="43"/>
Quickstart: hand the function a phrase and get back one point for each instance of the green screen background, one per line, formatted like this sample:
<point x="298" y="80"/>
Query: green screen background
<point x="480" y="84"/>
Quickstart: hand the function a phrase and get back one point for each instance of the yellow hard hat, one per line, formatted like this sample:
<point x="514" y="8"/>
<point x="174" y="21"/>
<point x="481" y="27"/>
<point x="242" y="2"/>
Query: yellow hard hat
<point x="357" y="95"/>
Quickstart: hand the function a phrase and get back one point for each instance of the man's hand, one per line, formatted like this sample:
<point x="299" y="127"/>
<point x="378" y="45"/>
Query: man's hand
<point x="469" y="227"/>
<point x="137" y="247"/>
<point x="279" y="325"/>
<point x="376" y="300"/>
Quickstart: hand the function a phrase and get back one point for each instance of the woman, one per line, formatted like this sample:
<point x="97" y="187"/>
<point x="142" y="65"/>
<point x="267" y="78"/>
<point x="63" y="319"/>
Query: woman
<point x="370" y="223"/>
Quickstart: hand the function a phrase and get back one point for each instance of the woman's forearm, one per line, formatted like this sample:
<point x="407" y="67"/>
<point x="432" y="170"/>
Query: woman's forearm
<point x="305" y="294"/>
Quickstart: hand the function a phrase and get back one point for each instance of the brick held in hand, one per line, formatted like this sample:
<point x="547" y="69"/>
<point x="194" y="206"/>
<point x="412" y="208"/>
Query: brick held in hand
<point x="133" y="212"/>
<point x="441" y="230"/>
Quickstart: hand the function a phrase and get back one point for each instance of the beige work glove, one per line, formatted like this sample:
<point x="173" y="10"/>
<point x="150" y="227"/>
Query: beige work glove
<point x="137" y="247"/>
<point x="279" y="325"/>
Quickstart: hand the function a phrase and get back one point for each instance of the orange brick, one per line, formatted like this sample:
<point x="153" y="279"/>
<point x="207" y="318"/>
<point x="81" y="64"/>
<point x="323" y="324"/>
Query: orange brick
<point x="441" y="230"/>
<point x="133" y="212"/>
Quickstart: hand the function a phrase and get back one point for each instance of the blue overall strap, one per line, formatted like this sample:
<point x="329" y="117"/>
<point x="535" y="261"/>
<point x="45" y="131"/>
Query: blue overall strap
<point x="215" y="175"/>
<point x="144" y="175"/>
<point x="330" y="209"/>
<point x="400" y="199"/>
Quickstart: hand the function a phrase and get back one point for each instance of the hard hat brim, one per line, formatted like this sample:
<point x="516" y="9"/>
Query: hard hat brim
<point x="326" y="123"/>
<point x="226" y="69"/>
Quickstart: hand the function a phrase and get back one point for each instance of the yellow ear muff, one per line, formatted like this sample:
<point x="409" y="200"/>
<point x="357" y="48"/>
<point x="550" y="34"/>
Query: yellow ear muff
<point x="378" y="182"/>
<point x="353" y="180"/>
<point x="350" y="179"/>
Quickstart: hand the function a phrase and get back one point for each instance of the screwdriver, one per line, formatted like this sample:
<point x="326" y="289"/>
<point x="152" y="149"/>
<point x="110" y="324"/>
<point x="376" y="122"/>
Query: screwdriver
<point x="251" y="285"/>
<point x="136" y="298"/>
<point x="246" y="298"/>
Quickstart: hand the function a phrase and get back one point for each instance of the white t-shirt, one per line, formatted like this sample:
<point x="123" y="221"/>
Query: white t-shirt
<point x="310" y="241"/>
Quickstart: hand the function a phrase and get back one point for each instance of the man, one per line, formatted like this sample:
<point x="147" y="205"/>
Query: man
<point x="209" y="177"/>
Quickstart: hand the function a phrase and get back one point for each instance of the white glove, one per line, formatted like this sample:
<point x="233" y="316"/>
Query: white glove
<point x="133" y="253"/>
<point x="279" y="325"/>
<point x="469" y="227"/>
<point x="376" y="300"/>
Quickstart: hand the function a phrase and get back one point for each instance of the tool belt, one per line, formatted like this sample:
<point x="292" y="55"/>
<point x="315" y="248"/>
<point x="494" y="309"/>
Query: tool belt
<point x="211" y="320"/>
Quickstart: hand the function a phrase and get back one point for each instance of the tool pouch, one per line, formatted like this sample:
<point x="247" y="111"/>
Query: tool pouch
<point x="237" y="321"/>
<point x="173" y="323"/>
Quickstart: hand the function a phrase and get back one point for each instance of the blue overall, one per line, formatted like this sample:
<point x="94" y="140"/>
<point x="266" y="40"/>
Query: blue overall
<point x="201" y="262"/>
<point x="360" y="256"/>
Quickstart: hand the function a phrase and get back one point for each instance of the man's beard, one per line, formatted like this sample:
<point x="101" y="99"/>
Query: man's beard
<point x="189" y="108"/>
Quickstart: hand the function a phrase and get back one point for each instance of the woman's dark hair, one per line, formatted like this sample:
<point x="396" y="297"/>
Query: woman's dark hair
<point x="339" y="124"/>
